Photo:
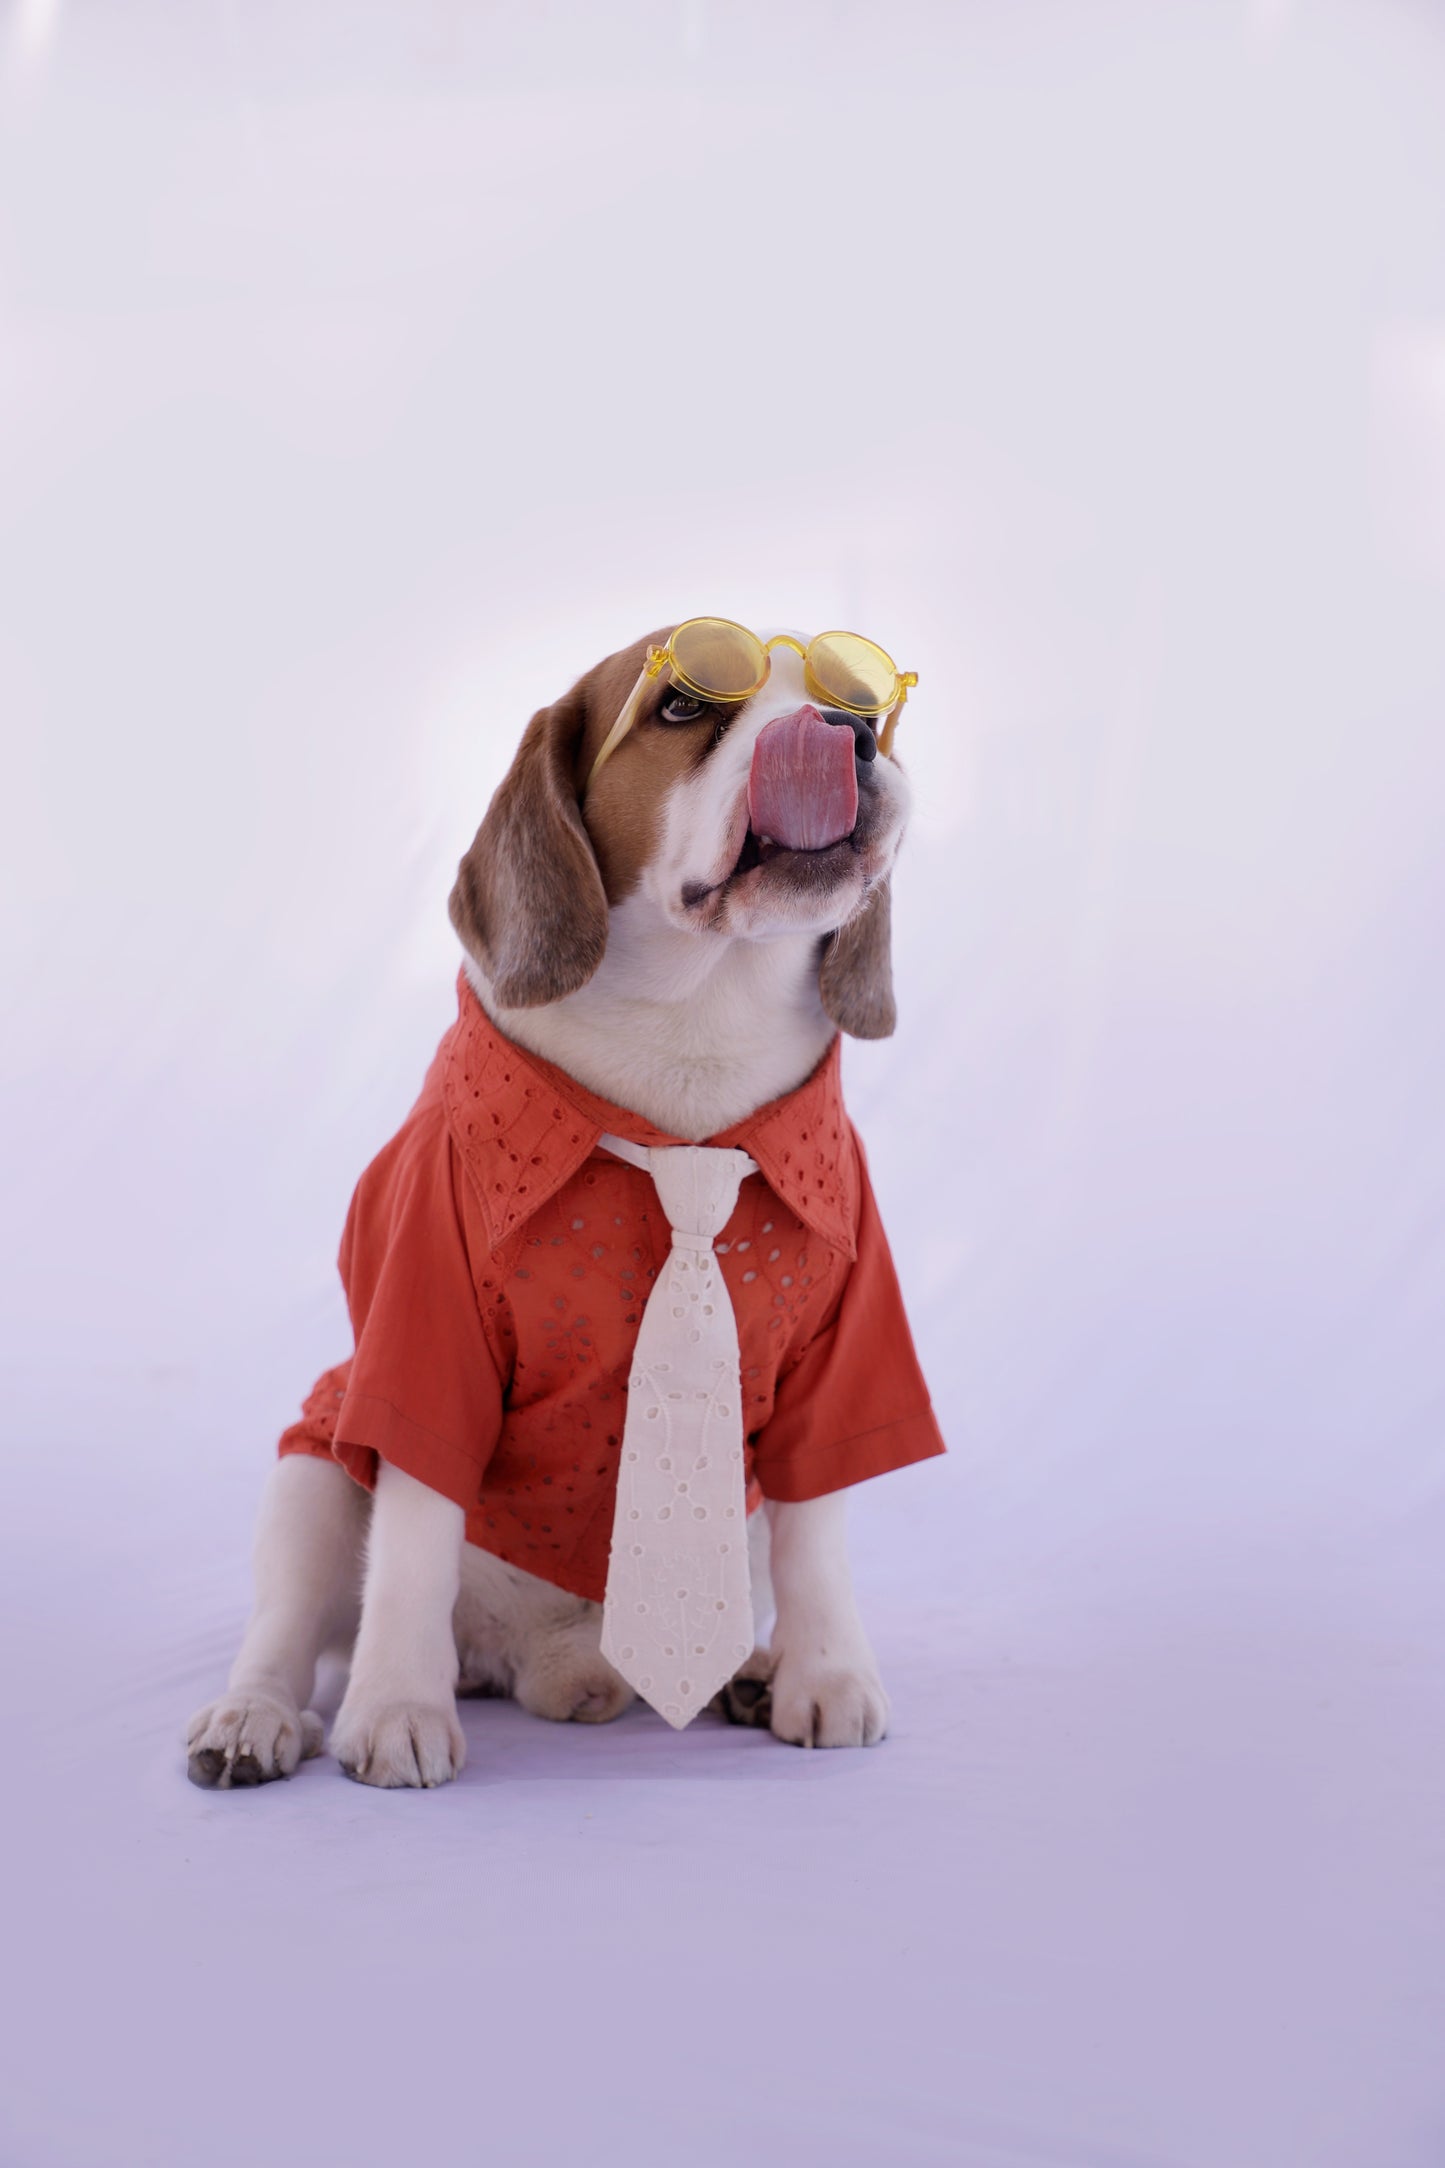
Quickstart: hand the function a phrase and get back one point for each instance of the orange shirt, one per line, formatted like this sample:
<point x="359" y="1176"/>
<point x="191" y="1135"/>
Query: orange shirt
<point x="496" y="1264"/>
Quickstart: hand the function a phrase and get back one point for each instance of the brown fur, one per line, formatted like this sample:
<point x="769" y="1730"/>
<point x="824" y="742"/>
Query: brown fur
<point x="856" y="977"/>
<point x="624" y="806"/>
<point x="528" y="902"/>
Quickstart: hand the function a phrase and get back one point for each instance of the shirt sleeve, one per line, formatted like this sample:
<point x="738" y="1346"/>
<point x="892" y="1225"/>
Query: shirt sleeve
<point x="422" y="1390"/>
<point x="855" y="1405"/>
<point x="314" y="1431"/>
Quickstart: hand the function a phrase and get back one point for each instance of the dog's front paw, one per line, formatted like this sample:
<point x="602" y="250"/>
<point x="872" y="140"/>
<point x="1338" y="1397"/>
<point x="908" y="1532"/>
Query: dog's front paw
<point x="817" y="1703"/>
<point x="249" y="1737"/>
<point x="399" y="1745"/>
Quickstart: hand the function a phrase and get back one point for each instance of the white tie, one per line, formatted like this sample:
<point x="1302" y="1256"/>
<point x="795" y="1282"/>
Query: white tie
<point x="678" y="1615"/>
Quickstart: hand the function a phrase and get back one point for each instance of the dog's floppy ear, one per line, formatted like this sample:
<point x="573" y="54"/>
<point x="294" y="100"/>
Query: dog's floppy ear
<point x="855" y="978"/>
<point x="528" y="901"/>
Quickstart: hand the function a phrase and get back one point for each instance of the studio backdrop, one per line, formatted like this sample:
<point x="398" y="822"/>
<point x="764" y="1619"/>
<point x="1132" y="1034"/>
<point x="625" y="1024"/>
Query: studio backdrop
<point x="365" y="375"/>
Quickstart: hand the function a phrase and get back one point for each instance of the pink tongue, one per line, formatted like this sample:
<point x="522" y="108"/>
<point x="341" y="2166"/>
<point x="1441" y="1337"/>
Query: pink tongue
<point x="803" y="785"/>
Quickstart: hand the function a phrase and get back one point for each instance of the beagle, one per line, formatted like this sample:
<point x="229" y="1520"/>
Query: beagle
<point x="678" y="917"/>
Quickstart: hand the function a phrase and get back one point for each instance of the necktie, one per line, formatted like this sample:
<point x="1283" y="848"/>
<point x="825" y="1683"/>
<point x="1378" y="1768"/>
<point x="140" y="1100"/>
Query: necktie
<point x="677" y="1619"/>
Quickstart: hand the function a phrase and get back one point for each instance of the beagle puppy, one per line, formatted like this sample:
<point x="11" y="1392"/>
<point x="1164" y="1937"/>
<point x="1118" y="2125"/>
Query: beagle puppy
<point x="669" y="918"/>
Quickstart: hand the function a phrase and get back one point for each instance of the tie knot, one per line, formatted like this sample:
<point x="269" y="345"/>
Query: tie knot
<point x="697" y="1185"/>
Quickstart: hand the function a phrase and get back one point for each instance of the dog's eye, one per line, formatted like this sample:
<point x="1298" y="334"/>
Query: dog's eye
<point x="680" y="707"/>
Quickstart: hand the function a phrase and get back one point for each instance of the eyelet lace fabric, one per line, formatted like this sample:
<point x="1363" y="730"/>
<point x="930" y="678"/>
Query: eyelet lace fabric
<point x="677" y="1619"/>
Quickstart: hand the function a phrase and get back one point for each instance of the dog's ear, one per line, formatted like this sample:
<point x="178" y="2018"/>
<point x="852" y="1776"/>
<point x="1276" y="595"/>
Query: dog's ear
<point x="528" y="901"/>
<point x="855" y="977"/>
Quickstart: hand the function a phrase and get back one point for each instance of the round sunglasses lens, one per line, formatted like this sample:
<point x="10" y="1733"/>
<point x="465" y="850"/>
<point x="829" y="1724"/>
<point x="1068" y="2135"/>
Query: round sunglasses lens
<point x="852" y="671"/>
<point x="719" y="657"/>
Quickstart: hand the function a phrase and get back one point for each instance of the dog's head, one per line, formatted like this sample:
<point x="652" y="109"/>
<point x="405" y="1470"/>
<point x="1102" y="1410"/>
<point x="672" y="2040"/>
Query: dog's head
<point x="747" y="821"/>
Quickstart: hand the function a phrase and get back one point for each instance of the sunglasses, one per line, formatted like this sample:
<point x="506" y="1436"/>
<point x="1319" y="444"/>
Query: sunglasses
<point x="720" y="662"/>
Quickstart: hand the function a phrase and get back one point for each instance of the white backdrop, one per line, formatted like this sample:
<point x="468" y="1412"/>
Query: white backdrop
<point x="367" y="372"/>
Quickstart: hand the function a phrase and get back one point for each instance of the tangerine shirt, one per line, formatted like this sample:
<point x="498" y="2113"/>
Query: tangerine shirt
<point x="496" y="1264"/>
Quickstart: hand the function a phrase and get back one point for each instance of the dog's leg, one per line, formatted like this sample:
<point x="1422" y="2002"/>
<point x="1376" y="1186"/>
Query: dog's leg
<point x="521" y="1636"/>
<point x="307" y="1568"/>
<point x="561" y="1670"/>
<point x="825" y="1687"/>
<point x="398" y="1724"/>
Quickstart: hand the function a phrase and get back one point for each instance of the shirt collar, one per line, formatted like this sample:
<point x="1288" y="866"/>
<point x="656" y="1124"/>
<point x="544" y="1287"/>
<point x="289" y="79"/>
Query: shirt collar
<point x="523" y="1128"/>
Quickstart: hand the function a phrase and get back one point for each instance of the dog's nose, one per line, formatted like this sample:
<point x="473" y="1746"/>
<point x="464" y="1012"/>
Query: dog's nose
<point x="865" y="745"/>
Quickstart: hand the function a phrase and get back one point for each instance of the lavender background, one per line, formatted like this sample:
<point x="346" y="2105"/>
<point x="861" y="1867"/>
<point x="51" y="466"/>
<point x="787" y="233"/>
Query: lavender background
<point x="366" y="372"/>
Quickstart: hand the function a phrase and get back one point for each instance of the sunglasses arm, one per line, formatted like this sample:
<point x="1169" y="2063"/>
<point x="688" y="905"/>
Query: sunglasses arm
<point x="885" y="735"/>
<point x="625" y="720"/>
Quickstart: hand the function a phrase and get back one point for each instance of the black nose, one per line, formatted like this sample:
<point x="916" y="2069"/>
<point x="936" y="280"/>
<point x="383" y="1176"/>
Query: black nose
<point x="865" y="745"/>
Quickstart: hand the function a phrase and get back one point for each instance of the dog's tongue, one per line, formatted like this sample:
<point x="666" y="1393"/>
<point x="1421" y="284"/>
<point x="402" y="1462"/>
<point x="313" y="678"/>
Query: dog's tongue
<point x="803" y="785"/>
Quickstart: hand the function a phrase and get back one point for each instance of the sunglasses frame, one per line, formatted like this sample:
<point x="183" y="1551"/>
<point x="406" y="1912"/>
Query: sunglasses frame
<point x="663" y="658"/>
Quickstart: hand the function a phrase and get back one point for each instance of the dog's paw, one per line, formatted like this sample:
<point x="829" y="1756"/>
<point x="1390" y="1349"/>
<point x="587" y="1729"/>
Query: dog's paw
<point x="565" y="1676"/>
<point x="747" y="1698"/>
<point x="399" y="1745"/>
<point x="249" y="1737"/>
<point x="822" y="1704"/>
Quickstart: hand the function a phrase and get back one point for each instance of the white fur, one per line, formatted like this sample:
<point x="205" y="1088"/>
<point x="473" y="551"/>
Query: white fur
<point x="691" y="1031"/>
<point x="398" y="1724"/>
<point x="306" y="1569"/>
<point x="826" y="1688"/>
<point x="691" y="1022"/>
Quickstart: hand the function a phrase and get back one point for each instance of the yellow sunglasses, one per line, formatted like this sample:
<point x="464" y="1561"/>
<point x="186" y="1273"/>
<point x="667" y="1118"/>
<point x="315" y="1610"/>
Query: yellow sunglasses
<point x="718" y="661"/>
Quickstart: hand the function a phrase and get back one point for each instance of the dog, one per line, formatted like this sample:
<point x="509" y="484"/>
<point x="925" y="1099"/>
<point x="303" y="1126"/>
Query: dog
<point x="636" y="952"/>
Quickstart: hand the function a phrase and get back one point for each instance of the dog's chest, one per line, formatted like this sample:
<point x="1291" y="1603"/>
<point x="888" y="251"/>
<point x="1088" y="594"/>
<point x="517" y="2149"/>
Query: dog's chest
<point x="564" y="1298"/>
